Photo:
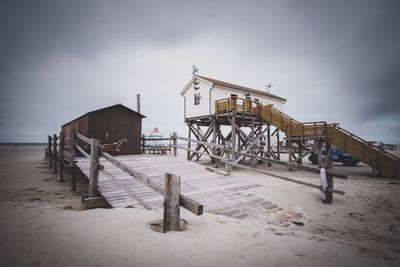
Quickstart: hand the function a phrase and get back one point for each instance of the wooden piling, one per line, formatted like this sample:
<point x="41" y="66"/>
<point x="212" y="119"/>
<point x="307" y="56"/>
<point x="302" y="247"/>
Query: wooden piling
<point x="72" y="156"/>
<point x="174" y="135"/>
<point x="94" y="167"/>
<point x="171" y="203"/>
<point x="269" y="144"/>
<point x="228" y="168"/>
<point x="49" y="151"/>
<point x="54" y="153"/>
<point x="189" y="144"/>
<point x="61" y="157"/>
<point x="233" y="124"/>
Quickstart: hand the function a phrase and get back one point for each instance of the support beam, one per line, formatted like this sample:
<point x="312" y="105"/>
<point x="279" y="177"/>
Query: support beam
<point x="189" y="137"/>
<point x="171" y="202"/>
<point x="233" y="131"/>
<point x="269" y="144"/>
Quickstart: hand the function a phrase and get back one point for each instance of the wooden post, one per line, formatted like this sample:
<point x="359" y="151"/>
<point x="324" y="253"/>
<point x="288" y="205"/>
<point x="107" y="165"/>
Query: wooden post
<point x="269" y="143"/>
<point x="61" y="157"/>
<point x="214" y="140"/>
<point x="319" y="145"/>
<point x="233" y="137"/>
<point x="171" y="202"/>
<point x="329" y="179"/>
<point x="174" y="136"/>
<point x="228" y="167"/>
<point x="253" y="159"/>
<point x="278" y="149"/>
<point x="189" y="137"/>
<point x="94" y="167"/>
<point x="55" y="153"/>
<point x="143" y="144"/>
<point x="72" y="156"/>
<point x="49" y="151"/>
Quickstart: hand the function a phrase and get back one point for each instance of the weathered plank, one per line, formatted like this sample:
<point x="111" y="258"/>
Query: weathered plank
<point x="187" y="203"/>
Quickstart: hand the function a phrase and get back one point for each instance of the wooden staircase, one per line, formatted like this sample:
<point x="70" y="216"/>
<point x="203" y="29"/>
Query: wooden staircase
<point x="387" y="164"/>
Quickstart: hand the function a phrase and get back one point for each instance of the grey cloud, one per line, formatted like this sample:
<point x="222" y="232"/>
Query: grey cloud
<point x="335" y="61"/>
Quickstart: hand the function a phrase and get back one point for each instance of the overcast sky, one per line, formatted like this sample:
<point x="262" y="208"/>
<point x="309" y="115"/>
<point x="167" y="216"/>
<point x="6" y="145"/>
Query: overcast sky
<point x="337" y="61"/>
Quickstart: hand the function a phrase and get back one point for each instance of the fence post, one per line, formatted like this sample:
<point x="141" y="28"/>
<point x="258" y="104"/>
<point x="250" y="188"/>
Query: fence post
<point x="55" y="153"/>
<point x="72" y="156"/>
<point x="61" y="157"/>
<point x="172" y="185"/>
<point x="143" y="144"/>
<point x="174" y="136"/>
<point x="94" y="166"/>
<point x="329" y="179"/>
<point x="49" y="155"/>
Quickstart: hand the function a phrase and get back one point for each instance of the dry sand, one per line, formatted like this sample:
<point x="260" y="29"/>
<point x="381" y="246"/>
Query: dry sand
<point x="42" y="224"/>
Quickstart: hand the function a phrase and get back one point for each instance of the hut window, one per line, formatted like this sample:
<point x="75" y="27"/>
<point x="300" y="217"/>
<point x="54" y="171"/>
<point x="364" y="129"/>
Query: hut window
<point x="248" y="96"/>
<point x="197" y="99"/>
<point x="233" y="96"/>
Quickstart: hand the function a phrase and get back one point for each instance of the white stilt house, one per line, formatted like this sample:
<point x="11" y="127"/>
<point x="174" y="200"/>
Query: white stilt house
<point x="211" y="104"/>
<point x="201" y="93"/>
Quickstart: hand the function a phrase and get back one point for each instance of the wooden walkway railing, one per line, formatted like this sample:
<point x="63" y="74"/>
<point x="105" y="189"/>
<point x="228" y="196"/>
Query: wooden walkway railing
<point x="173" y="199"/>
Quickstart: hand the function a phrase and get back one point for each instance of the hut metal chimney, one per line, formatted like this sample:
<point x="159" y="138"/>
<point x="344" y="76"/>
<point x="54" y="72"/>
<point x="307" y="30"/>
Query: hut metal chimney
<point x="138" y="103"/>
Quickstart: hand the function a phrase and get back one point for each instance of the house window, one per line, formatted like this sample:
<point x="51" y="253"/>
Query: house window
<point x="196" y="84"/>
<point x="248" y="96"/>
<point x="197" y="99"/>
<point x="233" y="96"/>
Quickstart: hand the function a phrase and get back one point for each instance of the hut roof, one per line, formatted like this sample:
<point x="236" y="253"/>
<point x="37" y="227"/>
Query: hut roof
<point x="109" y="107"/>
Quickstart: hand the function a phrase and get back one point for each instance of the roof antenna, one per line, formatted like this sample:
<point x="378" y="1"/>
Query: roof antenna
<point x="194" y="70"/>
<point x="269" y="85"/>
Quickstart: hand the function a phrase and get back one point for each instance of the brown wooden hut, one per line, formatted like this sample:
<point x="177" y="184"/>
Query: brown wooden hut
<point x="110" y="125"/>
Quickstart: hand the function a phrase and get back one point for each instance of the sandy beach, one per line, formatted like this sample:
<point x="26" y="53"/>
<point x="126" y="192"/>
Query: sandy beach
<point x="42" y="223"/>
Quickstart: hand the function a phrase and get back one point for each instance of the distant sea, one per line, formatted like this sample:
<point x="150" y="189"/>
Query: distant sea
<point x="23" y="144"/>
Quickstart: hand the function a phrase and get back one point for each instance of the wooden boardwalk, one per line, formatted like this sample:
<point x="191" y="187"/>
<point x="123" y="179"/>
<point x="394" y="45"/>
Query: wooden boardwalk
<point x="225" y="195"/>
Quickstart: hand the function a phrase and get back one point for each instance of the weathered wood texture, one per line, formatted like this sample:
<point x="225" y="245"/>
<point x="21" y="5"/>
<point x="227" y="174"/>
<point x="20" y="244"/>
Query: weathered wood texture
<point x="49" y="151"/>
<point x="224" y="195"/>
<point x="172" y="185"/>
<point x="54" y="153"/>
<point x="94" y="167"/>
<point x="72" y="157"/>
<point x="61" y="157"/>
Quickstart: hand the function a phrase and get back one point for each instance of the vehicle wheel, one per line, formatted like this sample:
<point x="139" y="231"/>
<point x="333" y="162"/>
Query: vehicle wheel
<point x="314" y="162"/>
<point x="346" y="162"/>
<point x="355" y="163"/>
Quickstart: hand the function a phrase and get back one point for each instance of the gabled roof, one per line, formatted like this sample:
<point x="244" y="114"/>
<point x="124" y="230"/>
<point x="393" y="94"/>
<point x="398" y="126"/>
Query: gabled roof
<point x="109" y="107"/>
<point x="240" y="88"/>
